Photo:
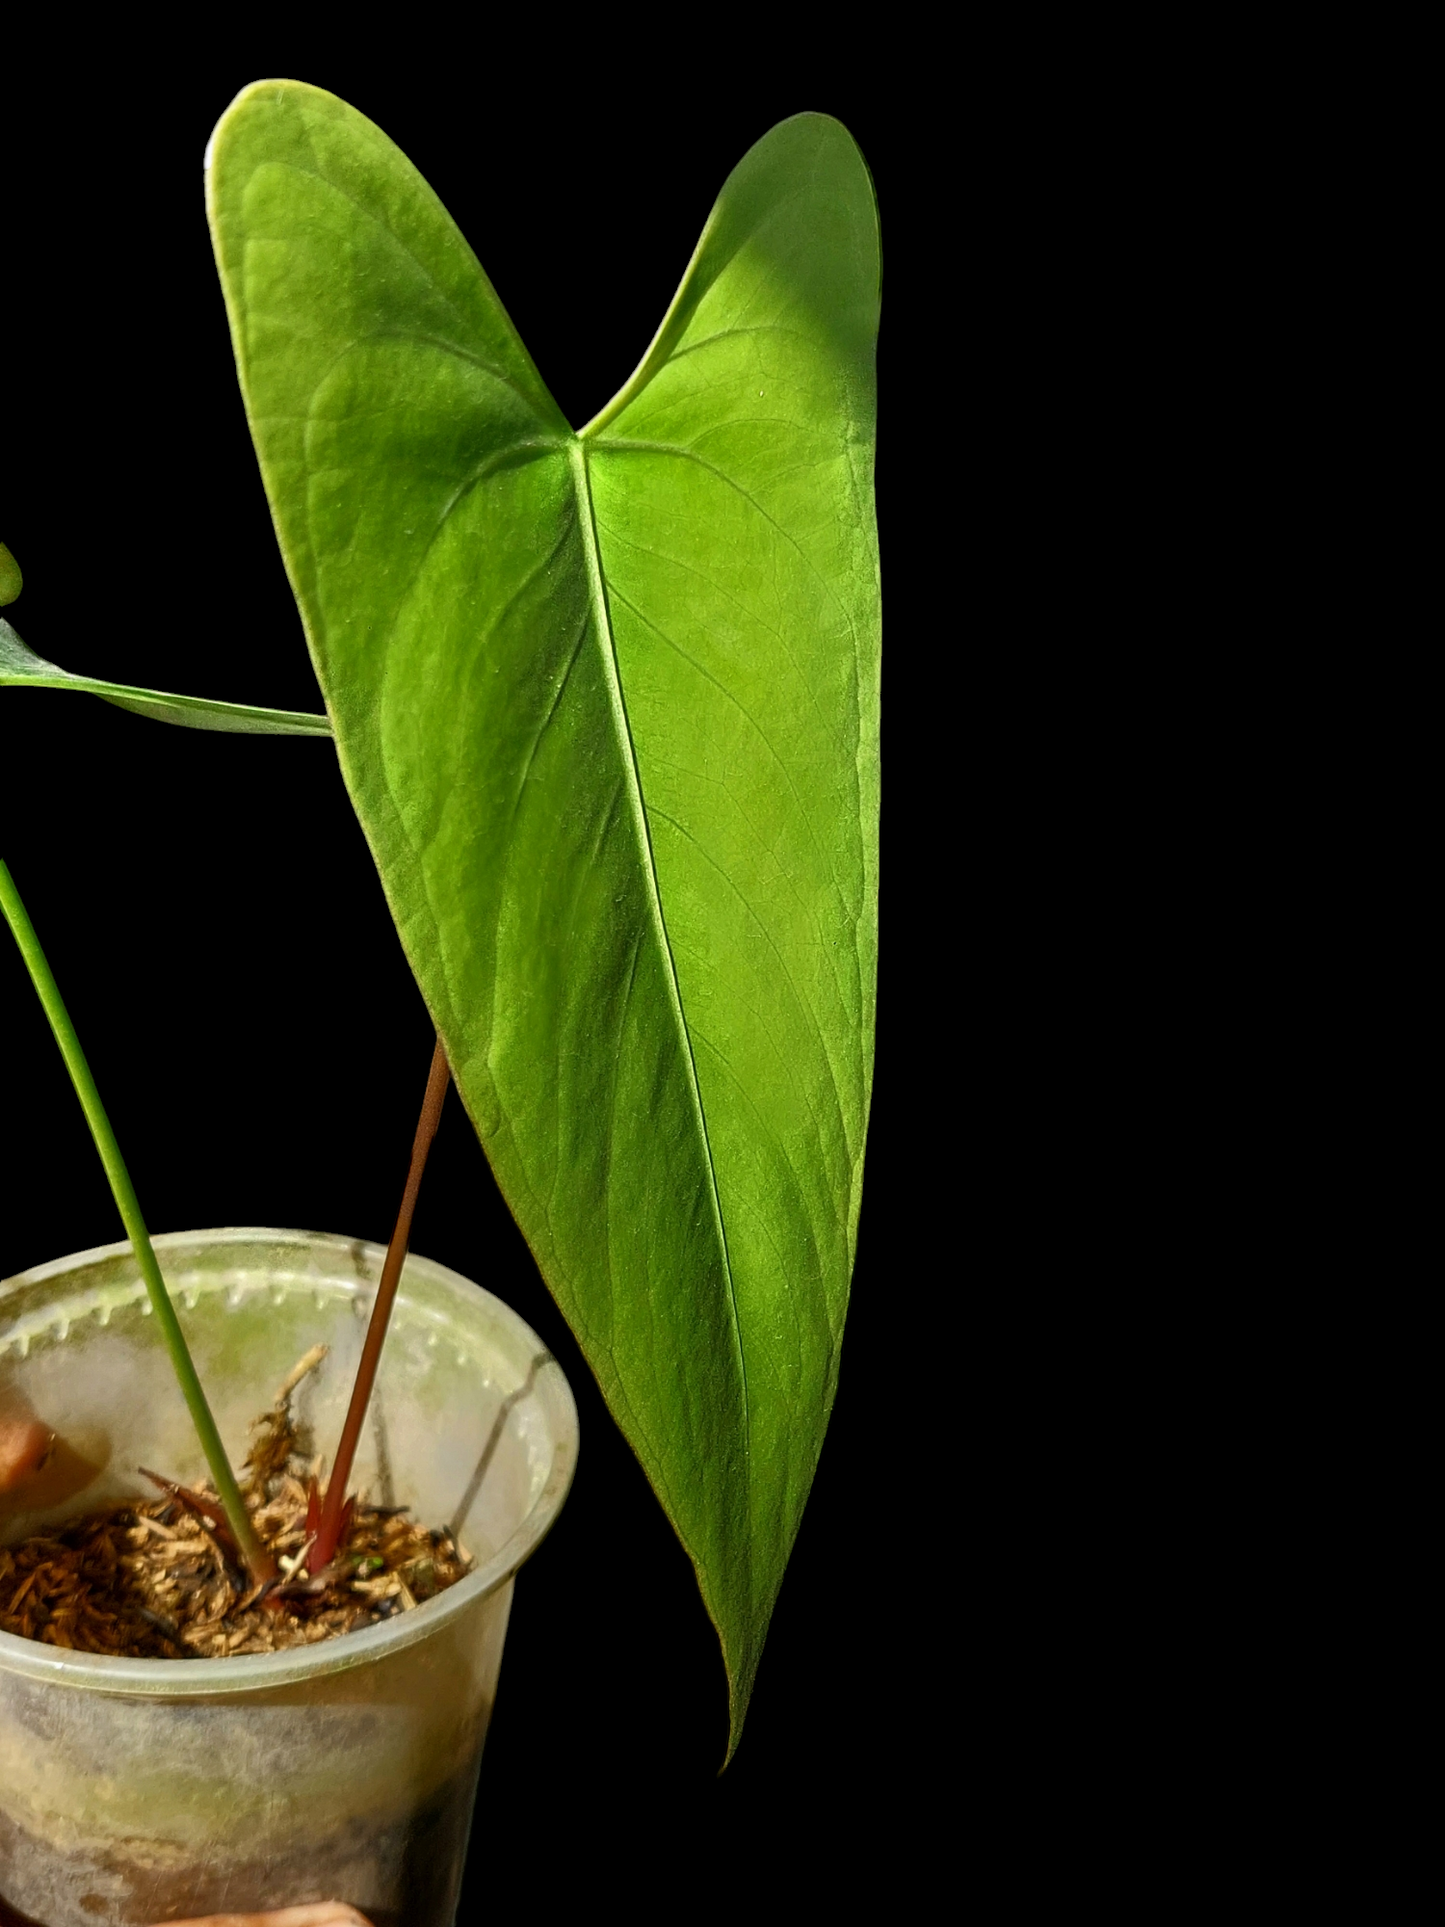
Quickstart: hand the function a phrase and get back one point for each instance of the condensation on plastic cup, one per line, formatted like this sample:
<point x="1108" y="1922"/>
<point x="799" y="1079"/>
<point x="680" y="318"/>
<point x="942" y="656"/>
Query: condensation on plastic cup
<point x="142" y="1790"/>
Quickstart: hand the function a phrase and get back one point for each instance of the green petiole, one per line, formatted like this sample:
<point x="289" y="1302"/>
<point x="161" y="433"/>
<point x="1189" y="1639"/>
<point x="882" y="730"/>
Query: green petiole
<point x="257" y="1558"/>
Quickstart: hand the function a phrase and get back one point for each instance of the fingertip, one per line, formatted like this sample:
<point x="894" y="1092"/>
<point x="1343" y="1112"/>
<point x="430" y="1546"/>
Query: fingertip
<point x="25" y="1445"/>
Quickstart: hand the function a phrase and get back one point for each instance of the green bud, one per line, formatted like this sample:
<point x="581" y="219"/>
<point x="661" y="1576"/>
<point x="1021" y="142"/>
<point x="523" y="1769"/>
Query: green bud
<point x="10" y="578"/>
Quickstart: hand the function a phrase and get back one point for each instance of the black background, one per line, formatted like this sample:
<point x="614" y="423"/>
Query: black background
<point x="215" y="921"/>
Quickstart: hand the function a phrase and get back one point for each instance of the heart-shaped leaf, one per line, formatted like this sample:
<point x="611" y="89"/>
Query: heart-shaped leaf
<point x="606" y="704"/>
<point x="21" y="668"/>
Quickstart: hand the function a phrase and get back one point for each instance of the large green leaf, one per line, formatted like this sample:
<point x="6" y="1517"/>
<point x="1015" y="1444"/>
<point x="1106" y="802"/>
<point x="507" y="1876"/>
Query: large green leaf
<point x="606" y="704"/>
<point x="21" y="668"/>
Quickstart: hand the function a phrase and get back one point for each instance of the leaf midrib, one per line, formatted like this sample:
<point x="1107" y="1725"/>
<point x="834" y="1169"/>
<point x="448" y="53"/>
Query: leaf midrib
<point x="597" y="595"/>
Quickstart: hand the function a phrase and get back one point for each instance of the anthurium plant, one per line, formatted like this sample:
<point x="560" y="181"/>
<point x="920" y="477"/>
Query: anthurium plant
<point x="605" y="701"/>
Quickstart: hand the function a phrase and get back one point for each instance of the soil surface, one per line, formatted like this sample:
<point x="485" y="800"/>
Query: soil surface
<point x="161" y="1578"/>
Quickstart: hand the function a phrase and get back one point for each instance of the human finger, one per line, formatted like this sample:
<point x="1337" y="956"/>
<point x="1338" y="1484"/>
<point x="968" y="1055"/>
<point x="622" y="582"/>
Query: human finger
<point x="25" y="1443"/>
<point x="321" y="1913"/>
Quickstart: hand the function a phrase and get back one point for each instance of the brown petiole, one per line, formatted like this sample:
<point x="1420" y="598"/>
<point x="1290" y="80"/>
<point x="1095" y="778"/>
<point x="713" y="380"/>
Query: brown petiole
<point x="335" y="1513"/>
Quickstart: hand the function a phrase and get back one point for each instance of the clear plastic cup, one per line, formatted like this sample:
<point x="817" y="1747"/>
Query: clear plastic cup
<point x="148" y="1790"/>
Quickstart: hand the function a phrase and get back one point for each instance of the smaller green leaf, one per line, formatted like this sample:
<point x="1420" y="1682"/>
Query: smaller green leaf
<point x="21" y="668"/>
<point x="11" y="580"/>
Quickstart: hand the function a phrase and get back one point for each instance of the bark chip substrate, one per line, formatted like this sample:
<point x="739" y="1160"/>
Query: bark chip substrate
<point x="158" y="1578"/>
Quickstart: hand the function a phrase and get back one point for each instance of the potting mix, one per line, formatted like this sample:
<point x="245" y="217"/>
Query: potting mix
<point x="160" y="1578"/>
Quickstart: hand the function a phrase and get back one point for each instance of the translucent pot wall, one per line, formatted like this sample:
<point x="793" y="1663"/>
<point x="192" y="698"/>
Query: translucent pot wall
<point x="148" y="1790"/>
